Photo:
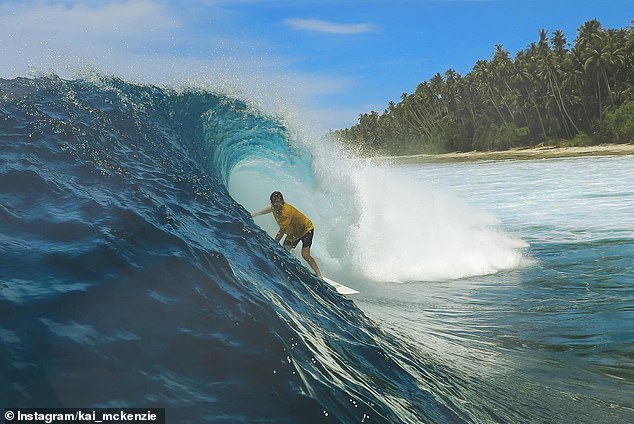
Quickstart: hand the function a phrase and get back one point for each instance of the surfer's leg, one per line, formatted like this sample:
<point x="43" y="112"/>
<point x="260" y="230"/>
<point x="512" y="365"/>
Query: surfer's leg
<point x="310" y="260"/>
<point x="307" y="241"/>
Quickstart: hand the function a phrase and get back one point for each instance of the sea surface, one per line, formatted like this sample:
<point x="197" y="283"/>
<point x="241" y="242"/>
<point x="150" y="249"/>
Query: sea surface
<point x="132" y="274"/>
<point x="549" y="341"/>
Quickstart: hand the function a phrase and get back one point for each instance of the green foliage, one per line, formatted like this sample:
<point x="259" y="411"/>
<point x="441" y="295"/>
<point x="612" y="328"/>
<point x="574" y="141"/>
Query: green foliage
<point x="580" y="140"/>
<point x="499" y="137"/>
<point x="550" y="91"/>
<point x="620" y="123"/>
<point x="457" y="138"/>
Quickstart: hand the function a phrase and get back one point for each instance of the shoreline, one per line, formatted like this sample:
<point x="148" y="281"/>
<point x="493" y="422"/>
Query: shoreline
<point x="531" y="153"/>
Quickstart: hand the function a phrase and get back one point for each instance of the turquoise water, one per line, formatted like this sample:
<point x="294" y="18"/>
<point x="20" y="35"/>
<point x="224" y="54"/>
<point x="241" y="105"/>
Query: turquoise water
<point x="551" y="340"/>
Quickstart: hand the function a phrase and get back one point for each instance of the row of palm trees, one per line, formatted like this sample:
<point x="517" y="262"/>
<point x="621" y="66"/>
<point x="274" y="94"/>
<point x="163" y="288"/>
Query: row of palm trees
<point x="549" y="92"/>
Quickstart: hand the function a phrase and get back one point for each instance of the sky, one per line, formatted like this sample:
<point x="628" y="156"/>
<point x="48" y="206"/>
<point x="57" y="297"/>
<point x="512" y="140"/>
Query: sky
<point x="326" y="60"/>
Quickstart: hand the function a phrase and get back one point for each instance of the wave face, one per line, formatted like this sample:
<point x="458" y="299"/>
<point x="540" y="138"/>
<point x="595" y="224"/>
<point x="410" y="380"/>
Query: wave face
<point x="131" y="277"/>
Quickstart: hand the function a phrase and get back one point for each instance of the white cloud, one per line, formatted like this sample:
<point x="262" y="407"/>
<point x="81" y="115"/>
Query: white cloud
<point x="328" y="27"/>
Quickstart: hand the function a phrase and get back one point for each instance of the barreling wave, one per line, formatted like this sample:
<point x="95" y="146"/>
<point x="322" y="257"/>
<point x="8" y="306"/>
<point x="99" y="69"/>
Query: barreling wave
<point x="131" y="277"/>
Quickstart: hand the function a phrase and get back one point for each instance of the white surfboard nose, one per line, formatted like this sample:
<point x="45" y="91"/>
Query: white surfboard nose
<point x="340" y="287"/>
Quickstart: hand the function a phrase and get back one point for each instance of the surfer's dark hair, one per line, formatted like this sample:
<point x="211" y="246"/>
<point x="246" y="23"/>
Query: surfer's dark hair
<point x="276" y="195"/>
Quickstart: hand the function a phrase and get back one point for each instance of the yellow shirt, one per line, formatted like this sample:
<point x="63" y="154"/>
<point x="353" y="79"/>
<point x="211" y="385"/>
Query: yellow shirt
<point x="292" y="222"/>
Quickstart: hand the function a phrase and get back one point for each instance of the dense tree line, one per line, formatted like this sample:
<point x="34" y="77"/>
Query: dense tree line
<point x="550" y="93"/>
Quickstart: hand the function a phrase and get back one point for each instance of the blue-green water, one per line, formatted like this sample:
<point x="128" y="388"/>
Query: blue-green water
<point x="551" y="340"/>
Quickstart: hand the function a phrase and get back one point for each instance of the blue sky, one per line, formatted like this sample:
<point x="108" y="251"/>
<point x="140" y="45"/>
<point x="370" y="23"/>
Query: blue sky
<point x="328" y="60"/>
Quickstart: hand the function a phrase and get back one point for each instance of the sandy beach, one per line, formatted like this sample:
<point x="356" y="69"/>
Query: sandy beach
<point x="544" y="152"/>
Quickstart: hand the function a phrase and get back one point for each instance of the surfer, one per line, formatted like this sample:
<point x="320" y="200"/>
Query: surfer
<point x="294" y="224"/>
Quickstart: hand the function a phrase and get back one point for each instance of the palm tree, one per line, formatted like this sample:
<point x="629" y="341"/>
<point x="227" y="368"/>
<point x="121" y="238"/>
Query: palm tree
<point x="528" y="83"/>
<point x="549" y="69"/>
<point x="591" y="52"/>
<point x="483" y="72"/>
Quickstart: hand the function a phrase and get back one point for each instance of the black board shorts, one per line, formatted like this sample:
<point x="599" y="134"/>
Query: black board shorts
<point x="307" y="240"/>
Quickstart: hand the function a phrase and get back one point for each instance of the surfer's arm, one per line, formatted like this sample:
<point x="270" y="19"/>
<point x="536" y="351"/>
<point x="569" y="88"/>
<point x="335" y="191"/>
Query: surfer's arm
<point x="264" y="211"/>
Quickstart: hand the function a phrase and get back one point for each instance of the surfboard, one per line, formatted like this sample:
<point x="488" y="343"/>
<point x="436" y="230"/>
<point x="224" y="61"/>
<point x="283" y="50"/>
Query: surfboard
<point x="340" y="287"/>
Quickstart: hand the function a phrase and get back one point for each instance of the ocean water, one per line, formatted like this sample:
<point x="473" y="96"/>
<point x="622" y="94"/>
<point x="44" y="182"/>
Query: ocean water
<point x="132" y="275"/>
<point x="553" y="339"/>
